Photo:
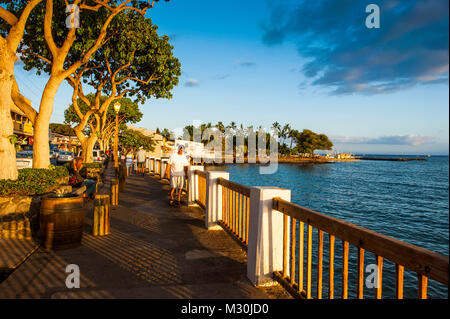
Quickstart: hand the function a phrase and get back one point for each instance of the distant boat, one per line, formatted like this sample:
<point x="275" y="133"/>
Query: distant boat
<point x="428" y="155"/>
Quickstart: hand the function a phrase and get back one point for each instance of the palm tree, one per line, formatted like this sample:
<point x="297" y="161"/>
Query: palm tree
<point x="220" y="126"/>
<point x="276" y="127"/>
<point x="292" y="135"/>
<point x="284" y="132"/>
<point x="232" y="125"/>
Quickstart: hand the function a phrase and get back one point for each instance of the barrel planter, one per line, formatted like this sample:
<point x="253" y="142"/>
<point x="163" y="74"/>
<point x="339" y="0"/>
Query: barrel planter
<point x="61" y="221"/>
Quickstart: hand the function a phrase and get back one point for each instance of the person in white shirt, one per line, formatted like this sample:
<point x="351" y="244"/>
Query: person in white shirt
<point x="177" y="166"/>
<point x="140" y="156"/>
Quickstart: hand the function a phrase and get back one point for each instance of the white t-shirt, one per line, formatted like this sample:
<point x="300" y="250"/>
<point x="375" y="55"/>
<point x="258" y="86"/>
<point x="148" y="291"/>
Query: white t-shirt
<point x="140" y="155"/>
<point x="177" y="163"/>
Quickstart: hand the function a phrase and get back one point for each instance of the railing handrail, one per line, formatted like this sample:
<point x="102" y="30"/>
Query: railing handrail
<point x="242" y="189"/>
<point x="200" y="173"/>
<point x="417" y="259"/>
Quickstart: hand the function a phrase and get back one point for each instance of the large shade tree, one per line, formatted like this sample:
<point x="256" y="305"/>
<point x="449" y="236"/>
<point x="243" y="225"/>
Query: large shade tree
<point x="54" y="43"/>
<point x="135" y="61"/>
<point x="96" y="130"/>
<point x="12" y="30"/>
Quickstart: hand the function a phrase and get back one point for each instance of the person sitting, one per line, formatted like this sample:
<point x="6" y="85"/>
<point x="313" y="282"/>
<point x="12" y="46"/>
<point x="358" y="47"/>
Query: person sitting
<point x="80" y="181"/>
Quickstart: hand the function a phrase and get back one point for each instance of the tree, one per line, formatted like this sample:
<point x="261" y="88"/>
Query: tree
<point x="62" y="129"/>
<point x="166" y="134"/>
<point x="131" y="140"/>
<point x="12" y="29"/>
<point x="284" y="132"/>
<point x="308" y="141"/>
<point x="134" y="62"/>
<point x="292" y="135"/>
<point x="276" y="127"/>
<point x="59" y="49"/>
<point x="97" y="129"/>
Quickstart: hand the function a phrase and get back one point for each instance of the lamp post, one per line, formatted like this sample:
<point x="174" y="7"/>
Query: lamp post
<point x="116" y="138"/>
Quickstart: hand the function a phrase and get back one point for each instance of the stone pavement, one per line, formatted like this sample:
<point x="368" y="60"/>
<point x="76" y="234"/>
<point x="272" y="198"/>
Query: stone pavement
<point x="153" y="251"/>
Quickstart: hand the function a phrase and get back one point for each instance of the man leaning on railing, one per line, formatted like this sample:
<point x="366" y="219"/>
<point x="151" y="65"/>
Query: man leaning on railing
<point x="177" y="166"/>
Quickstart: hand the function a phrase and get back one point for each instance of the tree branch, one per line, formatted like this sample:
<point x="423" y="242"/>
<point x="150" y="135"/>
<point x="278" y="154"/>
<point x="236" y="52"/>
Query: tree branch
<point x="10" y="18"/>
<point x="48" y="29"/>
<point x="22" y="102"/>
<point x="17" y="30"/>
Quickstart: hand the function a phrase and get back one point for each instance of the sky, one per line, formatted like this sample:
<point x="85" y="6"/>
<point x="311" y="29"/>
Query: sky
<point x="312" y="64"/>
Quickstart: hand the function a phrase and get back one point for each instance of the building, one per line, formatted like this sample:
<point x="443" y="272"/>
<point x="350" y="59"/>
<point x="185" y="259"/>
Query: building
<point x="63" y="142"/>
<point x="160" y="146"/>
<point x="23" y="128"/>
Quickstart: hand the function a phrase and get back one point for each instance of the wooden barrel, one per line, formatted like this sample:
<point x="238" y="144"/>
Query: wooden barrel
<point x="61" y="221"/>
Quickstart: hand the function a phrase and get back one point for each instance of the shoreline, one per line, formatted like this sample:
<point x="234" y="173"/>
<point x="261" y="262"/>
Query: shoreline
<point x="282" y="160"/>
<point x="392" y="159"/>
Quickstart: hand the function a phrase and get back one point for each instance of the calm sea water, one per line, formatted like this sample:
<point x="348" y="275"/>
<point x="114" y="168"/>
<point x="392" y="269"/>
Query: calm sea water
<point x="405" y="200"/>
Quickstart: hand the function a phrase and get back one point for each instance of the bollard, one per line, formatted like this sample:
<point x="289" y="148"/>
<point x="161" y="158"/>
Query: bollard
<point x="100" y="225"/>
<point x="164" y="164"/>
<point x="122" y="179"/>
<point x="114" y="192"/>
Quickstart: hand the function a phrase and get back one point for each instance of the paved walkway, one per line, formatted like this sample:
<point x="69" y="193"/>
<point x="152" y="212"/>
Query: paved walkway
<point x="153" y="251"/>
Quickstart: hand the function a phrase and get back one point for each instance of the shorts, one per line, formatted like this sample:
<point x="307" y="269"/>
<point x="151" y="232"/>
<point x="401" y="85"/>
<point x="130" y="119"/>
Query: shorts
<point x="129" y="164"/>
<point x="141" y="164"/>
<point x="177" y="182"/>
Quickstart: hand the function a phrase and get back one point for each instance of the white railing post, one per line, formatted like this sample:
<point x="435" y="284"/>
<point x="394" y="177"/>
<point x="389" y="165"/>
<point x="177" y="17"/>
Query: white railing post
<point x="213" y="205"/>
<point x="265" y="236"/>
<point x="163" y="167"/>
<point x="193" y="183"/>
<point x="150" y="164"/>
<point x="158" y="166"/>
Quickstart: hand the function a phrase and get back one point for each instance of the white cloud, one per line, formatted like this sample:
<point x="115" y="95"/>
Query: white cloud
<point x="191" y="83"/>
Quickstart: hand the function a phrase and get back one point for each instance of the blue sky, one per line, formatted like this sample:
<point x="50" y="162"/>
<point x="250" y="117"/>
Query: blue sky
<point x="312" y="64"/>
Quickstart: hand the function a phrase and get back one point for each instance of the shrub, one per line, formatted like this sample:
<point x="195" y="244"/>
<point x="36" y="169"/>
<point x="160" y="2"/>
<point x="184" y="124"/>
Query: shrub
<point x="93" y="165"/>
<point x="33" y="181"/>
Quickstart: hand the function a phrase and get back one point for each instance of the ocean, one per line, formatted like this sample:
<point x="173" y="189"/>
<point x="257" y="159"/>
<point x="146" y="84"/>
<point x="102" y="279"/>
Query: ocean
<point x="405" y="200"/>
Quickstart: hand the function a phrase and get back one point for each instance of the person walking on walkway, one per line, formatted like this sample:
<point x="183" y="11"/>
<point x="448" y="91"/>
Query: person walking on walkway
<point x="140" y="157"/>
<point x="129" y="162"/>
<point x="177" y="166"/>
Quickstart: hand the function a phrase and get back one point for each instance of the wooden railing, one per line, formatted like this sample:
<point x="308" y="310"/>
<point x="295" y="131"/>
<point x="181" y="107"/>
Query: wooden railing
<point x="235" y="209"/>
<point x="201" y="188"/>
<point x="426" y="264"/>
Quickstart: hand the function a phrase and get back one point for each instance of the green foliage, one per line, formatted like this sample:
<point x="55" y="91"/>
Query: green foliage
<point x="93" y="165"/>
<point x="33" y="181"/>
<point x="131" y="140"/>
<point x="134" y="40"/>
<point x="34" y="44"/>
<point x="13" y="140"/>
<point x="308" y="141"/>
<point x="129" y="111"/>
<point x="62" y="129"/>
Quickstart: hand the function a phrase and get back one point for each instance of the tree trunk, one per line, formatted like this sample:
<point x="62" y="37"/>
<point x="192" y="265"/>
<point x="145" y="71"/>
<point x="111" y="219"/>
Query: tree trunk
<point x="41" y="147"/>
<point x="8" y="166"/>
<point x="101" y="142"/>
<point x="88" y="146"/>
